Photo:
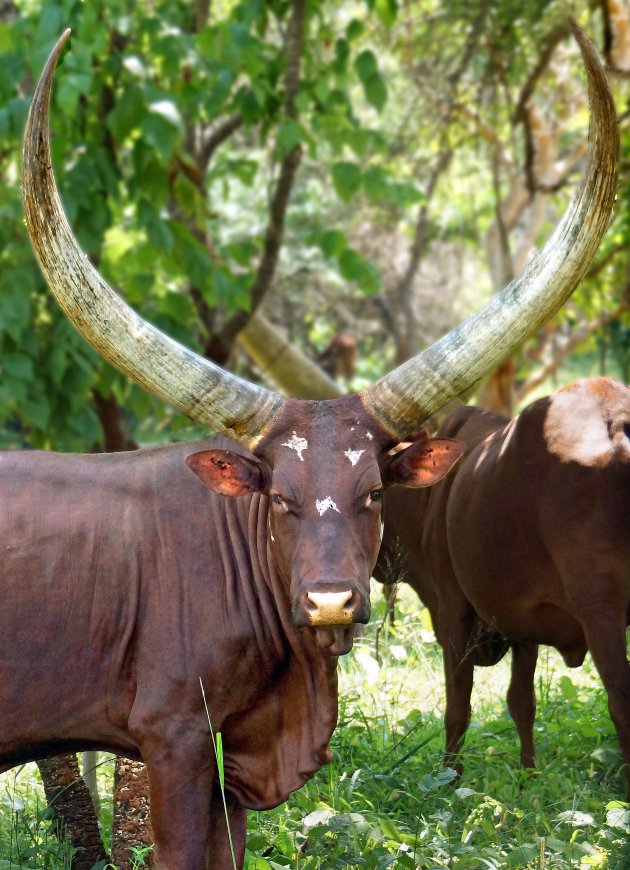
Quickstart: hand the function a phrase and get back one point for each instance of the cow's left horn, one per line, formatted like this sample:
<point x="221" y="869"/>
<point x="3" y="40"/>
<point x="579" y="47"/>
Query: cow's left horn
<point x="406" y="397"/>
<point x="194" y="385"/>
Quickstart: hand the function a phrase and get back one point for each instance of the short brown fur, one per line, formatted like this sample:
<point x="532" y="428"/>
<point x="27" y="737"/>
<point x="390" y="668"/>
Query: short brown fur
<point x="522" y="546"/>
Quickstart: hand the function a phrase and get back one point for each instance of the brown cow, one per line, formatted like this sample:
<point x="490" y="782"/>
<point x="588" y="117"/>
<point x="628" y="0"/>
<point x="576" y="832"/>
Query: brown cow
<point x="125" y="580"/>
<point x="528" y="542"/>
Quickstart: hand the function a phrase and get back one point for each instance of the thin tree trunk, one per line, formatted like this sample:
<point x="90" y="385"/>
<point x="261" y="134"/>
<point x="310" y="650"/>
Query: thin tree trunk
<point x="89" y="762"/>
<point x="131" y="823"/>
<point x="70" y="800"/>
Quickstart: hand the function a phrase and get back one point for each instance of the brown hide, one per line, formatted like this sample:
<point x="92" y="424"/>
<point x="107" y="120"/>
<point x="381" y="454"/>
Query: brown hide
<point x="527" y="542"/>
<point x="125" y="581"/>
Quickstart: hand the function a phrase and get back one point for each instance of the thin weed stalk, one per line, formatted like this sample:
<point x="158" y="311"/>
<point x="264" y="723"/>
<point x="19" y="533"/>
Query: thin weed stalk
<point x="217" y="745"/>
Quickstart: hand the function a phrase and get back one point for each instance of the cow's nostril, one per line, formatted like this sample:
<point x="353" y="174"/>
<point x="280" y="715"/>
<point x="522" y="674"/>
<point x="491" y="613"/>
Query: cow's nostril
<point x="329" y="607"/>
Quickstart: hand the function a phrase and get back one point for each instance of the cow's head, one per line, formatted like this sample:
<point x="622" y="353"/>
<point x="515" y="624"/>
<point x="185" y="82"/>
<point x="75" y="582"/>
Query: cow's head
<point x="322" y="464"/>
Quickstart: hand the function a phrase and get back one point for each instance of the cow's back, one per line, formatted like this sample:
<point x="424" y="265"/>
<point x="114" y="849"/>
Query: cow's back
<point x="540" y="503"/>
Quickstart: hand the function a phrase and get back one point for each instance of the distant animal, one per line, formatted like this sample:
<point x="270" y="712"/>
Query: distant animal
<point x="128" y="580"/>
<point x="527" y="542"/>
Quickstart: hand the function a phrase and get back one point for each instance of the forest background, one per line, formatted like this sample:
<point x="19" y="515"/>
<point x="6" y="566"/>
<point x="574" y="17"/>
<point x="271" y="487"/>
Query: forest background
<point x="305" y="191"/>
<point x="275" y="183"/>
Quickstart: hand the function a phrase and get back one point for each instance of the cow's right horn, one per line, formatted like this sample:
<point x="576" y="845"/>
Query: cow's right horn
<point x="194" y="385"/>
<point x="406" y="397"/>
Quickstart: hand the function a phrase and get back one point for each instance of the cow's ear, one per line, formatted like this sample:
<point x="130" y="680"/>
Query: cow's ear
<point x="227" y="473"/>
<point x="423" y="463"/>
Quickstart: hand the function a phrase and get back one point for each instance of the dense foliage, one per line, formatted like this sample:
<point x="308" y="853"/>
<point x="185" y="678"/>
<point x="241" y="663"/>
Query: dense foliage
<point x="378" y="136"/>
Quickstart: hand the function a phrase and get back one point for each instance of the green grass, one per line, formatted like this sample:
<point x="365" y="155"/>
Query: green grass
<point x="387" y="801"/>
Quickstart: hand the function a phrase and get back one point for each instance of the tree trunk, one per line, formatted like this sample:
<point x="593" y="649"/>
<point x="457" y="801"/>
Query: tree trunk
<point x="89" y="763"/>
<point x="70" y="800"/>
<point x="131" y="824"/>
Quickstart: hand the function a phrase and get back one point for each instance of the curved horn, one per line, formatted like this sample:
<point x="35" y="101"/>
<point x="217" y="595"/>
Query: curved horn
<point x="403" y="399"/>
<point x="194" y="385"/>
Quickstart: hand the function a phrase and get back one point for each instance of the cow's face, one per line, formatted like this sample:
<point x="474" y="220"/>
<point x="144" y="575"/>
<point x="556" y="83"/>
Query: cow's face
<point x="324" y="467"/>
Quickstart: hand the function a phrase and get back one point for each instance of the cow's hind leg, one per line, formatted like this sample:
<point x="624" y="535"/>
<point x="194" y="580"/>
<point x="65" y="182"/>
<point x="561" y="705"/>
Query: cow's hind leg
<point x="521" y="699"/>
<point x="603" y="617"/>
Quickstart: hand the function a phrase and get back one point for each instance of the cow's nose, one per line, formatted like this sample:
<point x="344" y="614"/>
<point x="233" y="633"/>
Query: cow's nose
<point x="328" y="608"/>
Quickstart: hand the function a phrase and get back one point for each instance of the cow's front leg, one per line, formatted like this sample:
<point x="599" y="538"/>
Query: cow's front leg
<point x="228" y="846"/>
<point x="458" y="674"/>
<point x="521" y="698"/>
<point x="181" y="776"/>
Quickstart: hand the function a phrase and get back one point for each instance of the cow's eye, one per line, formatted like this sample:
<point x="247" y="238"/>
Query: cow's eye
<point x="375" y="495"/>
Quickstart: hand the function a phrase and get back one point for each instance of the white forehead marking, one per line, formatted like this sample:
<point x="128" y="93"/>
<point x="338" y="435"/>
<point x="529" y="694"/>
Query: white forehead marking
<point x="296" y="443"/>
<point x="369" y="436"/>
<point x="354" y="455"/>
<point x="324" y="504"/>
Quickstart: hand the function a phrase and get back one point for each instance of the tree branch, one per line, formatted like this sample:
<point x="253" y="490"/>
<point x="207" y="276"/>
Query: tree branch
<point x="279" y="202"/>
<point x="217" y="137"/>
<point x="549" y="46"/>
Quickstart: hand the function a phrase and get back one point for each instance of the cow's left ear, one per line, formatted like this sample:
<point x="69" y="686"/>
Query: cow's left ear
<point x="227" y="473"/>
<point x="424" y="463"/>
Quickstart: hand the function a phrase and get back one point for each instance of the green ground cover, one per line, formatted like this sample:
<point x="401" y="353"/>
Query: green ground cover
<point x="387" y="801"/>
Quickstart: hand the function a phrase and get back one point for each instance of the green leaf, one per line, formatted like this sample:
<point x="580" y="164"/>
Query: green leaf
<point x="375" y="91"/>
<point x="17" y="365"/>
<point x="168" y="111"/>
<point x="127" y="114"/>
<point x="257" y="841"/>
<point x="569" y="692"/>
<point x="163" y="127"/>
<point x="346" y="179"/>
<point x="522" y="855"/>
<point x="284" y="844"/>
<point x="366" y="65"/>
<point x="618" y="816"/>
<point x="342" y="53"/>
<point x="354" y="267"/>
<point x="387" y="11"/>
<point x="36" y="412"/>
<point x="373" y="83"/>
<point x="375" y="183"/>
<point x="6" y="38"/>
<point x="390" y="830"/>
<point x="289" y="135"/>
<point x="354" y="29"/>
<point x="333" y="243"/>
<point x="157" y="229"/>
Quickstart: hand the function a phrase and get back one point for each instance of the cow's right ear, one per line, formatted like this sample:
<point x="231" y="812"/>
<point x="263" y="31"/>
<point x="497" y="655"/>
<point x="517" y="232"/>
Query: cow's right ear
<point x="423" y="463"/>
<point x="226" y="472"/>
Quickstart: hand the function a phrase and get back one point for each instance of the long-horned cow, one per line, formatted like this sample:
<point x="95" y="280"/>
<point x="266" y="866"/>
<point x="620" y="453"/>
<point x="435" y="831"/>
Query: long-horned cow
<point x="127" y="578"/>
<point x="526" y="543"/>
